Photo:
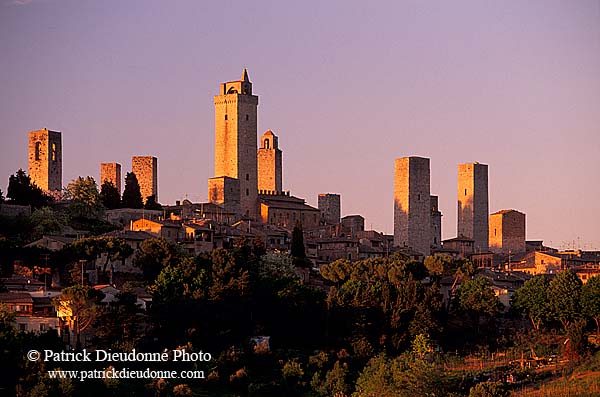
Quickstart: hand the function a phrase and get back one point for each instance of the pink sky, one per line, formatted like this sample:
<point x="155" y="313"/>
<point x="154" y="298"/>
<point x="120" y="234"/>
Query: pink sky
<point x="347" y="86"/>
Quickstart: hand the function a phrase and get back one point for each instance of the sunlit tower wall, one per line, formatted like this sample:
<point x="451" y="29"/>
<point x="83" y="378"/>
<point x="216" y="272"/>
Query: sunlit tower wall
<point x="412" y="204"/>
<point x="235" y="147"/>
<point x="507" y="232"/>
<point x="111" y="172"/>
<point x="145" y="169"/>
<point x="473" y="206"/>
<point x="269" y="164"/>
<point x="45" y="160"/>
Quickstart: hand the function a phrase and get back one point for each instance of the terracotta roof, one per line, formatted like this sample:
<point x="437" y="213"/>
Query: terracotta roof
<point x="15" y="297"/>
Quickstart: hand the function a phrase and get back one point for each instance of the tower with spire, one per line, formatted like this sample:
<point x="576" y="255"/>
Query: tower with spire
<point x="235" y="184"/>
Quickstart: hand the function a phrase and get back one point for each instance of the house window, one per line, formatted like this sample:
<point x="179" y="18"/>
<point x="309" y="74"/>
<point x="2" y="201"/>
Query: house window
<point x="22" y="327"/>
<point x="38" y="148"/>
<point x="43" y="327"/>
<point x="54" y="152"/>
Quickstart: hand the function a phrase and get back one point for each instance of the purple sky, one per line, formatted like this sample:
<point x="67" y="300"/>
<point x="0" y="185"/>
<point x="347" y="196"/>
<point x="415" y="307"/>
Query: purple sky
<point x="347" y="86"/>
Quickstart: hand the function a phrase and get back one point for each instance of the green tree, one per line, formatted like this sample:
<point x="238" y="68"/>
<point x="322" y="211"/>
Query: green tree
<point x="179" y="282"/>
<point x="298" y="251"/>
<point x="564" y="294"/>
<point x="151" y="203"/>
<point x="132" y="197"/>
<point x="489" y="389"/>
<point x="94" y="248"/>
<point x="400" y="377"/>
<point x="78" y="304"/>
<point x="120" y="324"/>
<point x="85" y="198"/>
<point x="590" y="301"/>
<point x="109" y="195"/>
<point x="532" y="300"/>
<point x="46" y="221"/>
<point x="477" y="299"/>
<point x="22" y="191"/>
<point x="153" y="255"/>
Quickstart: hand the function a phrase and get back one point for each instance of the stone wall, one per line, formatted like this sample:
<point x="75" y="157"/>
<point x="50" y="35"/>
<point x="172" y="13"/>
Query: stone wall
<point x="235" y="140"/>
<point x="111" y="172"/>
<point x="330" y="206"/>
<point x="45" y="160"/>
<point x="412" y="212"/>
<point x="473" y="207"/>
<point x="436" y="223"/>
<point x="145" y="169"/>
<point x="507" y="232"/>
<point x="269" y="163"/>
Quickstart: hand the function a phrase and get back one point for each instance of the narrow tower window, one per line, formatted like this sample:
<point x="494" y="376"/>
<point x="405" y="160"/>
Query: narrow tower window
<point x="266" y="144"/>
<point x="225" y="117"/>
<point x="247" y="177"/>
<point x="247" y="117"/>
<point x="54" y="152"/>
<point x="247" y="192"/>
<point x="465" y="192"/>
<point x="38" y="148"/>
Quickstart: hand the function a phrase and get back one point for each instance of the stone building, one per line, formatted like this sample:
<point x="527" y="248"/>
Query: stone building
<point x="507" y="232"/>
<point x="473" y="207"/>
<point x="330" y="207"/>
<point x="412" y="204"/>
<point x="45" y="160"/>
<point x="111" y="172"/>
<point x="352" y="224"/>
<point x="284" y="210"/>
<point x="436" y="223"/>
<point x="269" y="163"/>
<point x="145" y="169"/>
<point x="236" y="179"/>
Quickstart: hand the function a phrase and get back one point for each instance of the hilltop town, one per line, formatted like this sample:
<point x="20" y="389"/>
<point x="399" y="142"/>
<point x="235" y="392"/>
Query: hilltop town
<point x="107" y="241"/>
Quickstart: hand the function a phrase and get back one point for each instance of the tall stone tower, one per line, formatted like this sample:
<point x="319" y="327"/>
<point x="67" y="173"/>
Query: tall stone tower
<point x="412" y="204"/>
<point x="236" y="179"/>
<point x="507" y="232"/>
<point x="269" y="163"/>
<point x="145" y="169"/>
<point x="436" y="223"/>
<point x="111" y="172"/>
<point x="330" y="207"/>
<point x="45" y="160"/>
<point x="473" y="207"/>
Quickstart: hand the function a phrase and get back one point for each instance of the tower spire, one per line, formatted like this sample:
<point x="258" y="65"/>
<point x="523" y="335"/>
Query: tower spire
<point x="245" y="75"/>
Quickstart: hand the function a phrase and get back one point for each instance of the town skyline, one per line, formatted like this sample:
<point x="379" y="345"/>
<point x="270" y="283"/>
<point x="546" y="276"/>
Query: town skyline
<point x="327" y="149"/>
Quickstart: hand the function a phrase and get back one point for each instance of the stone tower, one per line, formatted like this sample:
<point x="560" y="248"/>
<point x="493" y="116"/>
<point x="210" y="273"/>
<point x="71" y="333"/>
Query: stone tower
<point x="507" y="231"/>
<point x="236" y="179"/>
<point x="473" y="210"/>
<point x="45" y="160"/>
<point x="269" y="163"/>
<point x="412" y="204"/>
<point x="436" y="224"/>
<point x="330" y="207"/>
<point x="111" y="172"/>
<point x="145" y="169"/>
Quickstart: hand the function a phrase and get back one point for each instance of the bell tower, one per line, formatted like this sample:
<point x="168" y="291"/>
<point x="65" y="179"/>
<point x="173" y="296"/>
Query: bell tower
<point x="235" y="184"/>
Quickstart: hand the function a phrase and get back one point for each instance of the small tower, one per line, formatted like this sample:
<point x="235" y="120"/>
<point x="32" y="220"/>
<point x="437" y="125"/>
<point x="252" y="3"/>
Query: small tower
<point x="45" y="160"/>
<point x="330" y="207"/>
<point x="111" y="172"/>
<point x="236" y="179"/>
<point x="269" y="163"/>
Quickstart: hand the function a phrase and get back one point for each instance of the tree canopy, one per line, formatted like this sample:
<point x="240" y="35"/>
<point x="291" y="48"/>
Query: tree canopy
<point x="132" y="197"/>
<point x="109" y="195"/>
<point x="22" y="191"/>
